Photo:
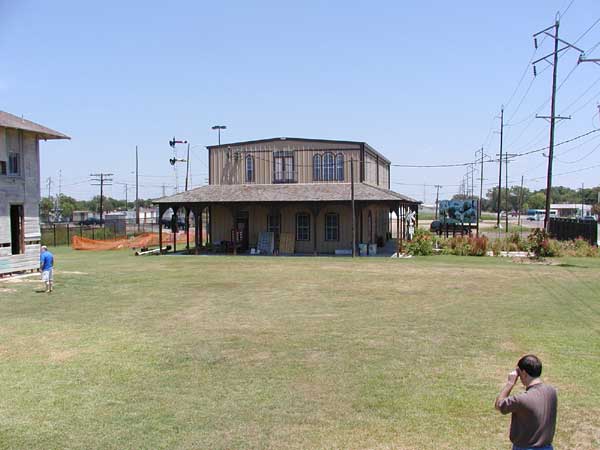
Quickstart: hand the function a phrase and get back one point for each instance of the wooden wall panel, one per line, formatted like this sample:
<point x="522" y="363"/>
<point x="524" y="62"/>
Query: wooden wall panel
<point x="227" y="163"/>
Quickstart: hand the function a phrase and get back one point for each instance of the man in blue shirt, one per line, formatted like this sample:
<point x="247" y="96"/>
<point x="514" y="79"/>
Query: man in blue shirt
<point x="46" y="267"/>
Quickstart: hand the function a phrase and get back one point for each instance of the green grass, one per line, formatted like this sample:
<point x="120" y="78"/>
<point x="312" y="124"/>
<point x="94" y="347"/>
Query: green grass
<point x="241" y="352"/>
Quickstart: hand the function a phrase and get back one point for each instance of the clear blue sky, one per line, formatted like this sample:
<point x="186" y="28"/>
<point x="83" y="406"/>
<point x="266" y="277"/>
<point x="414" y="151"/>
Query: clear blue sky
<point x="421" y="82"/>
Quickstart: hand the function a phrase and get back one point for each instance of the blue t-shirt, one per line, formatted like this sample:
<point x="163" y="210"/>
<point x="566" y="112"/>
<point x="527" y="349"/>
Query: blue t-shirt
<point x="46" y="260"/>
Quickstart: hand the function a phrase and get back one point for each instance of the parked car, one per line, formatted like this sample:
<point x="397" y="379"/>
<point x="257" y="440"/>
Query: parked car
<point x="91" y="221"/>
<point x="589" y="218"/>
<point x="166" y="223"/>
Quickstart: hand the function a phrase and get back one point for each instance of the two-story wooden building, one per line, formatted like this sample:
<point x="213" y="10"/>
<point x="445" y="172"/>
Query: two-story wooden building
<point x="20" y="192"/>
<point x="298" y="187"/>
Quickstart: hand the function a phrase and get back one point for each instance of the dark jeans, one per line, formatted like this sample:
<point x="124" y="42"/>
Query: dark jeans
<point x="546" y="447"/>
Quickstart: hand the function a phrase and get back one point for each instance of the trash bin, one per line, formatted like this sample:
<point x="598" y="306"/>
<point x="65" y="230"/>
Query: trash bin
<point x="372" y="249"/>
<point x="362" y="249"/>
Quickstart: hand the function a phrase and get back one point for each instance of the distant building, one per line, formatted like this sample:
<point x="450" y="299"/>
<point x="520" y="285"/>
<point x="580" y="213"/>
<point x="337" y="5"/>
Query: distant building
<point x="571" y="209"/>
<point x="20" y="192"/>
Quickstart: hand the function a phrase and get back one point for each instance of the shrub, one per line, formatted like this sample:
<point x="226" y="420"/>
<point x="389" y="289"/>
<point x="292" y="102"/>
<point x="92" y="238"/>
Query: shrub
<point x="466" y="246"/>
<point x="421" y="244"/>
<point x="542" y="245"/>
<point x="579" y="247"/>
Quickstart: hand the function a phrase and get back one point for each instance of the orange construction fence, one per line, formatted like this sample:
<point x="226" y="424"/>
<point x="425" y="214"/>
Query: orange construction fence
<point x="140" y="241"/>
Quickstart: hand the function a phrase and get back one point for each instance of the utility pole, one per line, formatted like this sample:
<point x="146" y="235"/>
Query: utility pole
<point x="582" y="200"/>
<point x="163" y="190"/>
<point x="353" y="208"/>
<point x="506" y="156"/>
<point x="479" y="206"/>
<point x="59" y="190"/>
<point x="472" y="181"/>
<point x="126" y="199"/>
<point x="437" y="199"/>
<point x="137" y="198"/>
<point x="500" y="168"/>
<point x="187" y="167"/>
<point x="520" y="203"/>
<point x="552" y="118"/>
<point x="101" y="179"/>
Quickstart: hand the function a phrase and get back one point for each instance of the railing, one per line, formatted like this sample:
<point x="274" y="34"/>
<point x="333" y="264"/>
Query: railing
<point x="284" y="177"/>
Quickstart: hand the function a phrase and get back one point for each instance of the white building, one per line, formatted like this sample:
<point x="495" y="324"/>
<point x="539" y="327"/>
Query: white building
<point x="571" y="209"/>
<point x="20" y="192"/>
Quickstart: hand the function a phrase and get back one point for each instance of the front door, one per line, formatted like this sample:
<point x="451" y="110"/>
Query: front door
<point x="17" y="229"/>
<point x="241" y="225"/>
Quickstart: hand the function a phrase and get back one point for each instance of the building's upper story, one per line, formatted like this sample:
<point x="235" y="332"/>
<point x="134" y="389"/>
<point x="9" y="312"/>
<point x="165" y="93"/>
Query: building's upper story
<point x="297" y="160"/>
<point x="19" y="148"/>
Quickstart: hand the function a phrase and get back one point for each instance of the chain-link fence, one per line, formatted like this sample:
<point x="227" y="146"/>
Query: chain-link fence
<point x="62" y="233"/>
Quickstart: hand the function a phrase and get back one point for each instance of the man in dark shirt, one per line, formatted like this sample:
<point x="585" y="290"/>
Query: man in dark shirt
<point x="533" y="420"/>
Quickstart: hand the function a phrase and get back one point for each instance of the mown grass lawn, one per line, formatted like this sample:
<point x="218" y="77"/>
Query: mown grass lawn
<point x="224" y="352"/>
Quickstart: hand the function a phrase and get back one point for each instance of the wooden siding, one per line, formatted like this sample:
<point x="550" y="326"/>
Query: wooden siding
<point x="20" y="190"/>
<point x="376" y="170"/>
<point x="227" y="168"/>
<point x="257" y="221"/>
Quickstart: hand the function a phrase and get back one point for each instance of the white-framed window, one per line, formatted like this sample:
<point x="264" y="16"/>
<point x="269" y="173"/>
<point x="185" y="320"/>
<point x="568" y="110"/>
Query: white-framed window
<point x="249" y="169"/>
<point x="339" y="167"/>
<point x="328" y="167"/>
<point x="303" y="227"/>
<point x="14" y="164"/>
<point x="317" y="168"/>
<point x="332" y="227"/>
<point x="283" y="167"/>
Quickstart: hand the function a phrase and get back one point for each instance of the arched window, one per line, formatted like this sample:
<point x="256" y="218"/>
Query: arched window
<point x="328" y="167"/>
<point x="249" y="169"/>
<point x="339" y="167"/>
<point x="317" y="168"/>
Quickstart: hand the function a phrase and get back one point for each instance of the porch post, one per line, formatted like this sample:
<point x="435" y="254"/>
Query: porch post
<point x="174" y="220"/>
<point x="398" y="237"/>
<point x="197" y="228"/>
<point x="233" y="210"/>
<point x="161" y="211"/>
<point x="187" y="228"/>
<point x="315" y="211"/>
<point x="417" y="217"/>
<point x="209" y="225"/>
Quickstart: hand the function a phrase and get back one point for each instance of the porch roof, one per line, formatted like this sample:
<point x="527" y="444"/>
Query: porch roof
<point x="265" y="193"/>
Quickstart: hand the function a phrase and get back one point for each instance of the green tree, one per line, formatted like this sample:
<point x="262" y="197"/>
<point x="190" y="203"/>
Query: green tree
<point x="46" y="205"/>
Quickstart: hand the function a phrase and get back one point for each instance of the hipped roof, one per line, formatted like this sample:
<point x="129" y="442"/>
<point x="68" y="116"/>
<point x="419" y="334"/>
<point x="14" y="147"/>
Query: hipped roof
<point x="8" y="120"/>
<point x="289" y="193"/>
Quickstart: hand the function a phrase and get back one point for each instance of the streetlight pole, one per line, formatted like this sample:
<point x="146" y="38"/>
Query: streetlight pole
<point x="219" y="128"/>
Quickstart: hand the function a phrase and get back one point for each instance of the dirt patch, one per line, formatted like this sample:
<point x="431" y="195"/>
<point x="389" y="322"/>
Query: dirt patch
<point x="61" y="355"/>
<point x="539" y="262"/>
<point x="4" y="290"/>
<point x="23" y="280"/>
